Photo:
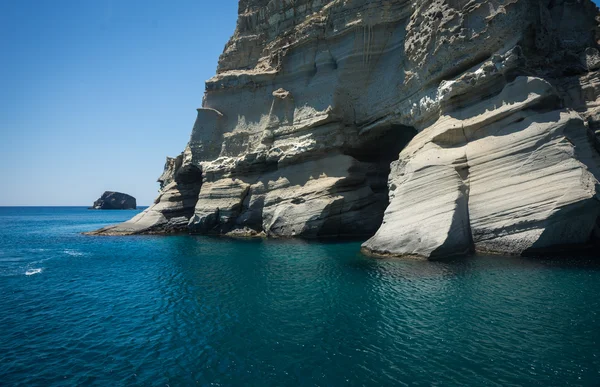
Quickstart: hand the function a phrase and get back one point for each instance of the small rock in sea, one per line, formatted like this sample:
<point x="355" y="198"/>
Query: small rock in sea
<point x="115" y="201"/>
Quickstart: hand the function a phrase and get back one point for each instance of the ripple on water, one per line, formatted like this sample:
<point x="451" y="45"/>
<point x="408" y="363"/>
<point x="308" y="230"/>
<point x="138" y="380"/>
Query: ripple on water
<point x="210" y="311"/>
<point x="73" y="253"/>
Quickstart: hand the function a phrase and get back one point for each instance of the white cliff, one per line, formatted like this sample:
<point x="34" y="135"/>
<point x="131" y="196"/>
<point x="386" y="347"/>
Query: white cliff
<point x="488" y="112"/>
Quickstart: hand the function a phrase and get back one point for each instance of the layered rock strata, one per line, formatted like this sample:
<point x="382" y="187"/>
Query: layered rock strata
<point x="487" y="112"/>
<point x="173" y="207"/>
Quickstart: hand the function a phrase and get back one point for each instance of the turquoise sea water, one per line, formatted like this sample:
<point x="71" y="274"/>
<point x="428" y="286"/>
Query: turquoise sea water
<point x="184" y="310"/>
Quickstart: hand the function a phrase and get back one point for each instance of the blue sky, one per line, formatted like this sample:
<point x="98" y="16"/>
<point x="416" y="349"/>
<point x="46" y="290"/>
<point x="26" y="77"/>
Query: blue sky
<point x="95" y="94"/>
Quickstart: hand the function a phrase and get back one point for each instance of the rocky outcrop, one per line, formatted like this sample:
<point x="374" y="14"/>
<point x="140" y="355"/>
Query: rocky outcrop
<point x="173" y="207"/>
<point x="114" y="201"/>
<point x="504" y="175"/>
<point x="435" y="127"/>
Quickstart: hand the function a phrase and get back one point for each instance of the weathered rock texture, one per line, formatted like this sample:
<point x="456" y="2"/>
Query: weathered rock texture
<point x="114" y="201"/>
<point x="487" y="110"/>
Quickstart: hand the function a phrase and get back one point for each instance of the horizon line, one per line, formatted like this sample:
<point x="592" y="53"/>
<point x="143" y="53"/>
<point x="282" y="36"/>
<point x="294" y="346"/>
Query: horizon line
<point x="39" y="205"/>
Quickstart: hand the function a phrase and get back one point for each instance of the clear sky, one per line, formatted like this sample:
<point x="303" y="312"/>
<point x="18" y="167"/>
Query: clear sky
<point x="95" y="94"/>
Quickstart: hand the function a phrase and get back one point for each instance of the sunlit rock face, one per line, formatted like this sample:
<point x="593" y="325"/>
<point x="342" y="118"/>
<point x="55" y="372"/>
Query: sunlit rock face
<point x="487" y="112"/>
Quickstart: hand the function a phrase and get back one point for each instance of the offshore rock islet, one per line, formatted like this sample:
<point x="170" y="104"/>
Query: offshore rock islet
<point x="114" y="201"/>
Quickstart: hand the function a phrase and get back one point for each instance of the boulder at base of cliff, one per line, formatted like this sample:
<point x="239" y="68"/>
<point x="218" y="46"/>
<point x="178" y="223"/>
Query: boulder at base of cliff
<point x="114" y="201"/>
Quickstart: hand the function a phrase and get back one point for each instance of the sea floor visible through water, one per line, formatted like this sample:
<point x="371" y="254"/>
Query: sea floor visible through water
<point x="188" y="310"/>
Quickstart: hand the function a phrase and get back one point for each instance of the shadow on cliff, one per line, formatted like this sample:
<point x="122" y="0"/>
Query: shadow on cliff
<point x="570" y="232"/>
<point x="353" y="179"/>
<point x="360" y="218"/>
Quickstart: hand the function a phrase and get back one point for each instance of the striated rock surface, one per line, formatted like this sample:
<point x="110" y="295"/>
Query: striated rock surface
<point x="114" y="201"/>
<point x="173" y="207"/>
<point x="435" y="127"/>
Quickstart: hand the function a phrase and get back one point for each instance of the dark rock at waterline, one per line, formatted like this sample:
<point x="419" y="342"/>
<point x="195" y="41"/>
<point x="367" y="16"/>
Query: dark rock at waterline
<point x="115" y="201"/>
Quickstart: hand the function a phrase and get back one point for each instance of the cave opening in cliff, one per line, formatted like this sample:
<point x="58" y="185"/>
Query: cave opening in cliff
<point x="378" y="149"/>
<point x="382" y="145"/>
<point x="374" y="150"/>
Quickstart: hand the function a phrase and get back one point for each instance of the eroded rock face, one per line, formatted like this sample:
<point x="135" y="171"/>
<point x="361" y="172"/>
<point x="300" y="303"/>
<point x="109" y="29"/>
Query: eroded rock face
<point x="173" y="207"/>
<point x="486" y="110"/>
<point x="512" y="173"/>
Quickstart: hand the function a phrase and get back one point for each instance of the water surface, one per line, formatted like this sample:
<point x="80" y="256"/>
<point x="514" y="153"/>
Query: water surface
<point x="186" y="310"/>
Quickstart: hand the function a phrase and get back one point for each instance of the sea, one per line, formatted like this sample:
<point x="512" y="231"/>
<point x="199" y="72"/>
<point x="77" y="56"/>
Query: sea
<point x="213" y="311"/>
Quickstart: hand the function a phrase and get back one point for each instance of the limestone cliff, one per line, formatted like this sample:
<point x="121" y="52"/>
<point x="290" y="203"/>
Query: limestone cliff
<point x="487" y="111"/>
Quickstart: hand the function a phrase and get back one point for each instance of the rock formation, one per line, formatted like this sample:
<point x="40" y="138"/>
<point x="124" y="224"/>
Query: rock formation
<point x="114" y="201"/>
<point x="488" y="112"/>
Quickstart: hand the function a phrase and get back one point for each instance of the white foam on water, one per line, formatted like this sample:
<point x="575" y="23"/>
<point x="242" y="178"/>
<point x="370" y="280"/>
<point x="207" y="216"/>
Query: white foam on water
<point x="74" y="253"/>
<point x="33" y="271"/>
